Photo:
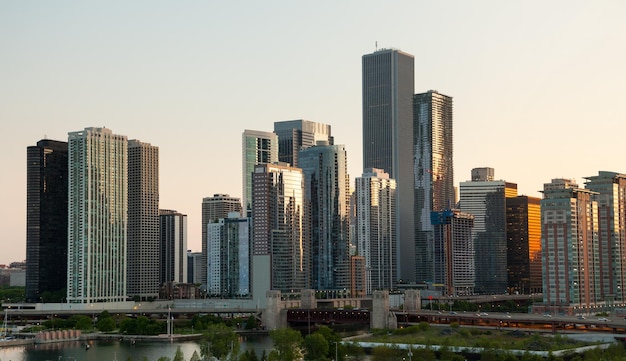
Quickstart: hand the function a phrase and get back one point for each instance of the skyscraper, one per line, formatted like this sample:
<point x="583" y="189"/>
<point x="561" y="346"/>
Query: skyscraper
<point x="213" y="209"/>
<point x="434" y="172"/>
<point x="173" y="247"/>
<point x="523" y="232"/>
<point x="486" y="200"/>
<point x="611" y="198"/>
<point x="280" y="226"/>
<point x="143" y="220"/>
<point x="258" y="148"/>
<point x="388" y="144"/>
<point x="569" y="247"/>
<point x="229" y="257"/>
<point x="375" y="229"/>
<point x="97" y="216"/>
<point x="295" y="135"/>
<point x="454" y="251"/>
<point x="327" y="193"/>
<point x="46" y="219"/>
<point x="194" y="267"/>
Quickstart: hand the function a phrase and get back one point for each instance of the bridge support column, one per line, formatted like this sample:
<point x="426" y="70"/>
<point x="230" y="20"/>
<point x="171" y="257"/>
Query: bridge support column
<point x="412" y="301"/>
<point x="307" y="299"/>
<point x="381" y="317"/>
<point x="275" y="316"/>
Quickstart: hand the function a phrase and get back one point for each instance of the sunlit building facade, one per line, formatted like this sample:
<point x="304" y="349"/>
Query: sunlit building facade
<point x="523" y="232"/>
<point x="388" y="77"/>
<point x="375" y="228"/>
<point x="570" y="249"/>
<point x="280" y="225"/>
<point x="433" y="173"/>
<point x="97" y="216"/>
<point x="611" y="198"/>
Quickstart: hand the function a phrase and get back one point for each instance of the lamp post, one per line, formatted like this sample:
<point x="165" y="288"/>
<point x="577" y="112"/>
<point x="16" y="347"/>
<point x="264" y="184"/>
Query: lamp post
<point x="410" y="354"/>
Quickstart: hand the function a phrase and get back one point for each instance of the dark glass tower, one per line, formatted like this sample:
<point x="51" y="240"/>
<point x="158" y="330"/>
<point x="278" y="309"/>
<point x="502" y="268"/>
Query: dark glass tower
<point x="46" y="221"/>
<point x="295" y="135"/>
<point x="388" y="88"/>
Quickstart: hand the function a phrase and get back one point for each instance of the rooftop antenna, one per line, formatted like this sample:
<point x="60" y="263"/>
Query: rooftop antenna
<point x="376" y="45"/>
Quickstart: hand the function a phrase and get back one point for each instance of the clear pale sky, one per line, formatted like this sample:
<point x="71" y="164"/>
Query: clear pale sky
<point x="539" y="87"/>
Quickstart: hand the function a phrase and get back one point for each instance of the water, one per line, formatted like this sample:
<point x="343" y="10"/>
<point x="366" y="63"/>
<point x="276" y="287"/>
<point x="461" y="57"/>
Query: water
<point x="118" y="350"/>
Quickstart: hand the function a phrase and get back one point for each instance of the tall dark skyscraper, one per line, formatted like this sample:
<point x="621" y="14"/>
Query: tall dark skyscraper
<point x="46" y="219"/>
<point x="388" y="87"/>
<point x="434" y="172"/>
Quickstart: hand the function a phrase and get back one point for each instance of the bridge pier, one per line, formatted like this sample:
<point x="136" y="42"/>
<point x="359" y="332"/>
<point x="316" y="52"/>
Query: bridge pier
<point x="412" y="301"/>
<point x="275" y="316"/>
<point x="308" y="300"/>
<point x="381" y="317"/>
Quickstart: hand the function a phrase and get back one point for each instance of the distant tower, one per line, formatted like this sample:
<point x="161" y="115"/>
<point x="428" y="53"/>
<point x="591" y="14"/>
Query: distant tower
<point x="173" y="247"/>
<point x="229" y="257"/>
<point x="327" y="193"/>
<point x="46" y="219"/>
<point x="98" y="187"/>
<point x="523" y="232"/>
<point x="214" y="208"/>
<point x="611" y="198"/>
<point x="388" y="87"/>
<point x="434" y="172"/>
<point x="194" y="267"/>
<point x="569" y="247"/>
<point x="454" y="252"/>
<point x="258" y="148"/>
<point x="486" y="200"/>
<point x="280" y="227"/>
<point x="376" y="234"/>
<point x="295" y="135"/>
<point x="143" y="220"/>
<point x="484" y="174"/>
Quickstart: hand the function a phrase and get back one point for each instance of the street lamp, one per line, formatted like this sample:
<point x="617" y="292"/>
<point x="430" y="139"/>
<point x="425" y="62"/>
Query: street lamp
<point x="410" y="354"/>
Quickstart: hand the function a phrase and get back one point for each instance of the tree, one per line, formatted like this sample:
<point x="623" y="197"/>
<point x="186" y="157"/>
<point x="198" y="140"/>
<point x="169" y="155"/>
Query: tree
<point x="179" y="355"/>
<point x="195" y="356"/>
<point x="222" y="341"/>
<point x="106" y="324"/>
<point x="315" y="347"/>
<point x="286" y="345"/>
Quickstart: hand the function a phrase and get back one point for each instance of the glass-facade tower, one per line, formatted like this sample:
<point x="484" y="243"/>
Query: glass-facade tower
<point x="46" y="220"/>
<point x="295" y="135"/>
<point x="327" y="193"/>
<point x="433" y="170"/>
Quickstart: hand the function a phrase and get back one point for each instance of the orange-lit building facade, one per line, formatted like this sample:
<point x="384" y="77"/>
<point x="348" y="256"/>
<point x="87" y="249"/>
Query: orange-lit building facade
<point x="523" y="229"/>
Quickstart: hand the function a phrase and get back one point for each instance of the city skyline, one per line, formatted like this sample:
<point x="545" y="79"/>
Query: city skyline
<point x="549" y="76"/>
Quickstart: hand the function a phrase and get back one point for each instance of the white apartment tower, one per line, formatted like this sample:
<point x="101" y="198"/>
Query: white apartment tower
<point x="97" y="216"/>
<point x="375" y="229"/>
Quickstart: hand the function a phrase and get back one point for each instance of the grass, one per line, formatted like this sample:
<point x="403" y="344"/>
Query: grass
<point x="455" y="336"/>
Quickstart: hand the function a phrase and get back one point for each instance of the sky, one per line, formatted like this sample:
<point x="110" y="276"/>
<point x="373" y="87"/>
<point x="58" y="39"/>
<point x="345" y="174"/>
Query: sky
<point x="539" y="87"/>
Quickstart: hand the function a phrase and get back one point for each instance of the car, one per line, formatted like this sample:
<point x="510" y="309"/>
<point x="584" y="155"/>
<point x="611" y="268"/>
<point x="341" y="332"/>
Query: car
<point x="547" y="315"/>
<point x="484" y="314"/>
<point x="603" y="319"/>
<point x="581" y="317"/>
